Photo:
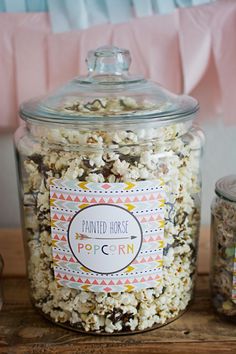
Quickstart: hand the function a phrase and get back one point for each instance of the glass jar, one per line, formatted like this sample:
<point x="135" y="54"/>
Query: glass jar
<point x="223" y="241"/>
<point x="110" y="189"/>
<point x="1" y="270"/>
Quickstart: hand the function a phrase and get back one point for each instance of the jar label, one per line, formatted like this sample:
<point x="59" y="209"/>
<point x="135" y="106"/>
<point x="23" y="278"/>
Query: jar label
<point x="107" y="237"/>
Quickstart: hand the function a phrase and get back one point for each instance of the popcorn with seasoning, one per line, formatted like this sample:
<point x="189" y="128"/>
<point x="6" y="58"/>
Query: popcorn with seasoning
<point x="110" y="186"/>
<point x="223" y="241"/>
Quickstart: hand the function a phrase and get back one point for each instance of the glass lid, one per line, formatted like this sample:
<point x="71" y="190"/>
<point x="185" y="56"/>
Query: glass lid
<point x="226" y="188"/>
<point x="109" y="92"/>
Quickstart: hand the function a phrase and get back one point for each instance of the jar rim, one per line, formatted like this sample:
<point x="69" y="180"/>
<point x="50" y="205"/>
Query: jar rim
<point x="28" y="112"/>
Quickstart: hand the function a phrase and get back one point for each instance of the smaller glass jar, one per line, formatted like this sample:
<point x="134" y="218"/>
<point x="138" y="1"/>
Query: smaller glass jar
<point x="223" y="242"/>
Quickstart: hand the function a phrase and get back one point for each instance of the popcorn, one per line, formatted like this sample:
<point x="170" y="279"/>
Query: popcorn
<point x="74" y="171"/>
<point x="96" y="178"/>
<point x="120" y="167"/>
<point x="115" y="155"/>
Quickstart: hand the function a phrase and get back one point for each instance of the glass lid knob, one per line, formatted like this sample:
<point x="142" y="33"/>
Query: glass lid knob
<point x="108" y="60"/>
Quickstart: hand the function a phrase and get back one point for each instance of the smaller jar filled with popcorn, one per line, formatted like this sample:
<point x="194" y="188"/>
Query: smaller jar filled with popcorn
<point x="110" y="187"/>
<point x="1" y="270"/>
<point x="223" y="242"/>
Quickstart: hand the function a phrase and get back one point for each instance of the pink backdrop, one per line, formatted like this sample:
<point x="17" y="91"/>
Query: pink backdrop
<point x="192" y="50"/>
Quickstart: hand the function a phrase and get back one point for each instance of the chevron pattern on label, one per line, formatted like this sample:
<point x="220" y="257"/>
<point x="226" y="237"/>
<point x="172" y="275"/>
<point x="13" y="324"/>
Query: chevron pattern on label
<point x="145" y="200"/>
<point x="99" y="284"/>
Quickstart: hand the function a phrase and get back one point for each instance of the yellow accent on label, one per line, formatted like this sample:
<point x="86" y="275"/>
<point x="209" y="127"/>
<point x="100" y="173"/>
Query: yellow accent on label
<point x="161" y="203"/>
<point x="129" y="269"/>
<point x="162" y="182"/>
<point x="129" y="206"/>
<point x="161" y="244"/>
<point x="51" y="180"/>
<point x="160" y="263"/>
<point x="83" y="185"/>
<point x="82" y="206"/>
<point x="85" y="287"/>
<point x="162" y="223"/>
<point x="129" y="186"/>
<point x="85" y="269"/>
<point x="52" y="202"/>
<point x="53" y="223"/>
<point x="54" y="243"/>
<point x="129" y="288"/>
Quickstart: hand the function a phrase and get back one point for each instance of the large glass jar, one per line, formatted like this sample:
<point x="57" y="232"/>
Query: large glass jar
<point x="223" y="241"/>
<point x="110" y="189"/>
